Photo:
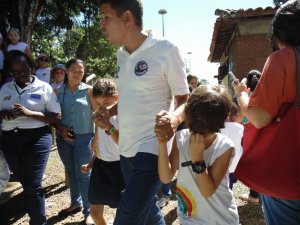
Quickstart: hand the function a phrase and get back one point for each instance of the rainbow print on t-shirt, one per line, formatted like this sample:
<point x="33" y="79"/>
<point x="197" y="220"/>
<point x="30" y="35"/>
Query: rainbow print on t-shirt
<point x="186" y="202"/>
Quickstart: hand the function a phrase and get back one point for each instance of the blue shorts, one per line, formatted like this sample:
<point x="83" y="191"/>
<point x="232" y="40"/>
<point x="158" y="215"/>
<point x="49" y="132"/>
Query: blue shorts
<point x="106" y="183"/>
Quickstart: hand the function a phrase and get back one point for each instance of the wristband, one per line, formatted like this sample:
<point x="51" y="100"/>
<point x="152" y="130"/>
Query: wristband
<point x="111" y="130"/>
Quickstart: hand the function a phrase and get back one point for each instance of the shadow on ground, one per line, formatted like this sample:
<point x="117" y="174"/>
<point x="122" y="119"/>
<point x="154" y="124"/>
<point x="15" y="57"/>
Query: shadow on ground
<point x="12" y="210"/>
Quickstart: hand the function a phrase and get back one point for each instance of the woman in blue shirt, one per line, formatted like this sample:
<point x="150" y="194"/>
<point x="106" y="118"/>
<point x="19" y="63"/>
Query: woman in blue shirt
<point x="74" y="133"/>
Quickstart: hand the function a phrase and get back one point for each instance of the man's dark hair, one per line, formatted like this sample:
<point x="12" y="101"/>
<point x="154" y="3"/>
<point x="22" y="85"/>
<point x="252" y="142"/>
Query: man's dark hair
<point x="120" y="6"/>
<point x="207" y="109"/>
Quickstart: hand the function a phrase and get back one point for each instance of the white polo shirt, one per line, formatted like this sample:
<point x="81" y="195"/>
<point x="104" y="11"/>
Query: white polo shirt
<point x="146" y="81"/>
<point x="43" y="74"/>
<point x="38" y="96"/>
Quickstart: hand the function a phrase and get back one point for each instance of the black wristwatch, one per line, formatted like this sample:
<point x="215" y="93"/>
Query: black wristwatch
<point x="199" y="167"/>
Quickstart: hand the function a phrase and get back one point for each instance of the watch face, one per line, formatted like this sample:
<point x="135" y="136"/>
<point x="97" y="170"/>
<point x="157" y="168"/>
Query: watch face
<point x="199" y="167"/>
<point x="112" y="130"/>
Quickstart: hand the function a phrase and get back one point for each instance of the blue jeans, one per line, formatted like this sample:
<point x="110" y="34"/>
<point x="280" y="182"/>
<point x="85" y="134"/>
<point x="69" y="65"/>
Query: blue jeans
<point x="279" y="212"/>
<point x="138" y="203"/>
<point x="166" y="189"/>
<point x="4" y="172"/>
<point x="74" y="154"/>
<point x="26" y="152"/>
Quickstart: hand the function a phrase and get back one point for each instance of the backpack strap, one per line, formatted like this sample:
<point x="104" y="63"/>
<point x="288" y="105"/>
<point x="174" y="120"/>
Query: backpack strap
<point x="297" y="102"/>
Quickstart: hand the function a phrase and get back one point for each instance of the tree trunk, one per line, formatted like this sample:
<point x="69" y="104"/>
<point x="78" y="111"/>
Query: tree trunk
<point x="29" y="11"/>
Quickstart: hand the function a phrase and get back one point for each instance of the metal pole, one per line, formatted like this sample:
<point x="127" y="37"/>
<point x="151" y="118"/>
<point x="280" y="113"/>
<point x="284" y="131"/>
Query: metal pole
<point x="162" y="12"/>
<point x="163" y="25"/>
<point x="189" y="53"/>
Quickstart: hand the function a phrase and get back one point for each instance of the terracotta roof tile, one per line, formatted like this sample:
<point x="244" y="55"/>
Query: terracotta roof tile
<point x="225" y="26"/>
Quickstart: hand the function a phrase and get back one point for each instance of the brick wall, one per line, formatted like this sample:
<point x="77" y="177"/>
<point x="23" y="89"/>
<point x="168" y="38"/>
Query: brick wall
<point x="250" y="52"/>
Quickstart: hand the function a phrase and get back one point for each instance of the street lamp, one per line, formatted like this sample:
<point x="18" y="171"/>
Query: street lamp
<point x="189" y="53"/>
<point x="162" y="12"/>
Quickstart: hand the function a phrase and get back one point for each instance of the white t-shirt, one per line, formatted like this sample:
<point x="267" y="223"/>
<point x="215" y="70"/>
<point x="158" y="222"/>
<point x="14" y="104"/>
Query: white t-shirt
<point x="21" y="46"/>
<point x="234" y="131"/>
<point x="147" y="80"/>
<point x="43" y="74"/>
<point x="193" y="207"/>
<point x="38" y="96"/>
<point x="107" y="148"/>
<point x="57" y="85"/>
<point x="1" y="60"/>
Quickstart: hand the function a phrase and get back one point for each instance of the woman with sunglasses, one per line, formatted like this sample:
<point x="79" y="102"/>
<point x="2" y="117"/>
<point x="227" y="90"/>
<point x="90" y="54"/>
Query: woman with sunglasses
<point x="27" y="107"/>
<point x="43" y="71"/>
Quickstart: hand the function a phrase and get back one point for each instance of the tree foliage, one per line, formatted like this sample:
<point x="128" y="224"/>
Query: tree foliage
<point x="62" y="29"/>
<point x="279" y="2"/>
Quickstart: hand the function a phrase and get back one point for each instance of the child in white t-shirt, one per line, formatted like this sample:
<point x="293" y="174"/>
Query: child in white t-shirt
<point x="58" y="73"/>
<point x="43" y="71"/>
<point x="106" y="181"/>
<point x="202" y="156"/>
<point x="15" y="43"/>
<point x="234" y="130"/>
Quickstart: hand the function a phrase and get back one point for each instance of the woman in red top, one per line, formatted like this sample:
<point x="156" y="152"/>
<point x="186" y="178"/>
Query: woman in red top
<point x="279" y="74"/>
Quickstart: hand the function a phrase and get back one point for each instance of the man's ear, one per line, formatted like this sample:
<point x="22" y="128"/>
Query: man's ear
<point x="127" y="17"/>
<point x="116" y="97"/>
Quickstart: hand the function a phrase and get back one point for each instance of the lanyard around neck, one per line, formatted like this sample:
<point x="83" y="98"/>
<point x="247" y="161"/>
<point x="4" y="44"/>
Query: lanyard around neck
<point x="19" y="93"/>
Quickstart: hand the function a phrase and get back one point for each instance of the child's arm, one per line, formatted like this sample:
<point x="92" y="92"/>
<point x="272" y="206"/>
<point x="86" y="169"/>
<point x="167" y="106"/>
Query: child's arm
<point x="167" y="165"/>
<point x="114" y="133"/>
<point x="94" y="143"/>
<point x="87" y="167"/>
<point x="210" y="179"/>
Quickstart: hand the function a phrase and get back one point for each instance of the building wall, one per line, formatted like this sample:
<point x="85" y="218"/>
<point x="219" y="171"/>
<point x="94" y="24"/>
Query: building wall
<point x="249" y="52"/>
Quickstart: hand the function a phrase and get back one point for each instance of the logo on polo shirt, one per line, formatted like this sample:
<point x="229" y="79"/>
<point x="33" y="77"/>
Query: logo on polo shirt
<point x="6" y="98"/>
<point x="141" y="68"/>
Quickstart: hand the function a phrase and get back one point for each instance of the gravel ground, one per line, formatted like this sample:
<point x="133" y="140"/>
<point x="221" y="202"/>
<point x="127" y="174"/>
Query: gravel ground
<point x="57" y="198"/>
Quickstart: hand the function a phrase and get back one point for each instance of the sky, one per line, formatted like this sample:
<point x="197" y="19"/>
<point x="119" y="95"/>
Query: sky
<point x="189" y="24"/>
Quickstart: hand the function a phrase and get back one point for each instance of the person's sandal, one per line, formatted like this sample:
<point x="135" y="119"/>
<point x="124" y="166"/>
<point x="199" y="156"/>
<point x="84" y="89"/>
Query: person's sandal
<point x="248" y="198"/>
<point x="69" y="211"/>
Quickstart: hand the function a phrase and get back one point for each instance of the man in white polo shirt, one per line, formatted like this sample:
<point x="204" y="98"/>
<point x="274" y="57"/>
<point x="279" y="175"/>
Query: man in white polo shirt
<point x="150" y="73"/>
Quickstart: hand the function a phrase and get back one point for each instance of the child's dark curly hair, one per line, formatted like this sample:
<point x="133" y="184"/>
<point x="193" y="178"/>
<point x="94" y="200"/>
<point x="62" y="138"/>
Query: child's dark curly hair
<point x="104" y="87"/>
<point x="207" y="109"/>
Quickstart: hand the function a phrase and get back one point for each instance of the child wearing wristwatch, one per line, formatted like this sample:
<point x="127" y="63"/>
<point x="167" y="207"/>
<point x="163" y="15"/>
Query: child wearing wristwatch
<point x="106" y="181"/>
<point x="202" y="156"/>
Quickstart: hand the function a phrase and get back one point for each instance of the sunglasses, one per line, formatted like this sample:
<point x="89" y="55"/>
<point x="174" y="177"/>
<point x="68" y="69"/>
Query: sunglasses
<point x="43" y="60"/>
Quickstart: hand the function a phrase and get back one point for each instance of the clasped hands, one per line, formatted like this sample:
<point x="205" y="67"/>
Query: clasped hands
<point x="101" y="118"/>
<point x="165" y="126"/>
<point x="17" y="110"/>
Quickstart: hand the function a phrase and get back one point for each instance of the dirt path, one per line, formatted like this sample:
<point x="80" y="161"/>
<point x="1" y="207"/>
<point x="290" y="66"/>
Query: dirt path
<point x="57" y="198"/>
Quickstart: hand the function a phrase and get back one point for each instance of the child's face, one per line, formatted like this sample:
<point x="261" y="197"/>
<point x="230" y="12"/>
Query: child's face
<point x="193" y="82"/>
<point x="59" y="75"/>
<point x="43" y="62"/>
<point x="106" y="101"/>
<point x="14" y="37"/>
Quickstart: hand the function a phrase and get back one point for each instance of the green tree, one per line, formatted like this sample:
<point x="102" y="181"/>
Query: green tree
<point x="43" y="15"/>
<point x="279" y="2"/>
